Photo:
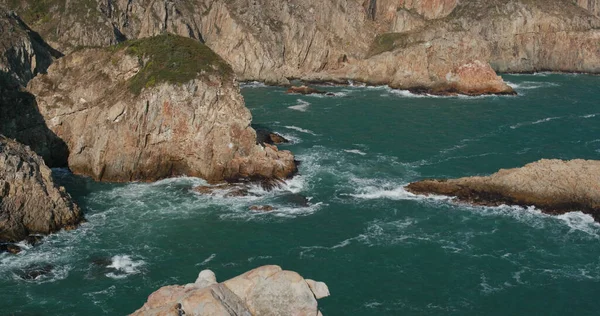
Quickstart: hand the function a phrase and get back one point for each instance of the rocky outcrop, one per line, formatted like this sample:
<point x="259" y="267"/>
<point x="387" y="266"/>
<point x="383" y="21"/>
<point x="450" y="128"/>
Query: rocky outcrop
<point x="154" y="108"/>
<point x="554" y="186"/>
<point x="304" y="90"/>
<point x="30" y="202"/>
<point x="267" y="290"/>
<point x="591" y="5"/>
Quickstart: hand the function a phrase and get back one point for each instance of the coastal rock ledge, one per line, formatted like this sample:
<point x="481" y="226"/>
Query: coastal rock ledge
<point x="267" y="290"/>
<point x="553" y="186"/>
<point x="30" y="202"/>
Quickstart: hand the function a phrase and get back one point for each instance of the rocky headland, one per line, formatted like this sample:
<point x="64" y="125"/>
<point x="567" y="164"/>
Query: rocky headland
<point x="154" y="108"/>
<point x="553" y="186"/>
<point x="267" y="290"/>
<point x="30" y="201"/>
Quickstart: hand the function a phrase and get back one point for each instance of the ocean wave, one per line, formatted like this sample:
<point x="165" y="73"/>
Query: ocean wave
<point x="301" y="106"/>
<point x="302" y="130"/>
<point x="124" y="266"/>
<point x="252" y="84"/>
<point x="207" y="260"/>
<point x="589" y="115"/>
<point x="540" y="121"/>
<point x="355" y="151"/>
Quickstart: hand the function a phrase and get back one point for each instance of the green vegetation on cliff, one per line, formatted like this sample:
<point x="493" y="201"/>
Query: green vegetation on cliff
<point x="173" y="59"/>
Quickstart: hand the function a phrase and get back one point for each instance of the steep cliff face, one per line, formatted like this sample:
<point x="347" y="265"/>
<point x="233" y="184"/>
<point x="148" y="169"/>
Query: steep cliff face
<point x="23" y="54"/>
<point x="154" y="108"/>
<point x="30" y="202"/>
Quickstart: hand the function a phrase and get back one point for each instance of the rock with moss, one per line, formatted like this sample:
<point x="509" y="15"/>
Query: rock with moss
<point x="154" y="108"/>
<point x="30" y="201"/>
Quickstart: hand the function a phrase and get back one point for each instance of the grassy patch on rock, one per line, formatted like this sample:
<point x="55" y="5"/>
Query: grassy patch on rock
<point x="388" y="42"/>
<point x="173" y="59"/>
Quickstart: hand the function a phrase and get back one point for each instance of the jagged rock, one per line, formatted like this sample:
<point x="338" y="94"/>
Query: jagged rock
<point x="266" y="136"/>
<point x="267" y="290"/>
<point x="554" y="186"/>
<point x="154" y="108"/>
<point x="30" y="202"/>
<point x="262" y="208"/>
<point x="304" y="90"/>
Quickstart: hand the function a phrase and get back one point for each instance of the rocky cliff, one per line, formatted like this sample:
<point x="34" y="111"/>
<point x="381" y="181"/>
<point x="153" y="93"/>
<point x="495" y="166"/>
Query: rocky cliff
<point x="30" y="202"/>
<point x="554" y="186"/>
<point x="23" y="55"/>
<point x="267" y="290"/>
<point x="154" y="108"/>
<point x="413" y="44"/>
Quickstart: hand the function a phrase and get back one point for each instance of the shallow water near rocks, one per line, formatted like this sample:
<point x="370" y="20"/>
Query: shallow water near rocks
<point x="380" y="249"/>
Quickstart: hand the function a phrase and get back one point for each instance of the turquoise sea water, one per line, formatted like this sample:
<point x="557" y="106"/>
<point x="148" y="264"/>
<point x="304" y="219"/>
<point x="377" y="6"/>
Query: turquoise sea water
<point x="381" y="250"/>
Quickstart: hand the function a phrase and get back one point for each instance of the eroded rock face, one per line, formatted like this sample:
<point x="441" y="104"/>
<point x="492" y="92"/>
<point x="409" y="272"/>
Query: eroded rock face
<point x="30" y="202"/>
<point x="267" y="290"/>
<point x="154" y="108"/>
<point x="554" y="186"/>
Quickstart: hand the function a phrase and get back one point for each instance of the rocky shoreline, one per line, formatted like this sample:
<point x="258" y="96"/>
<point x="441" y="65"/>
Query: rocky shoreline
<point x="553" y="186"/>
<point x="267" y="290"/>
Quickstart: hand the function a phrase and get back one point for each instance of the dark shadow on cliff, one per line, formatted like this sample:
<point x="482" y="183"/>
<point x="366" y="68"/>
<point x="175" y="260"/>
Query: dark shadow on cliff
<point x="21" y="120"/>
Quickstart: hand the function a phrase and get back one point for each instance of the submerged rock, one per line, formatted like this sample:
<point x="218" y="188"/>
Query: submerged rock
<point x="35" y="271"/>
<point x="553" y="186"/>
<point x="30" y="201"/>
<point x="10" y="248"/>
<point x="154" y="108"/>
<point x="266" y="290"/>
<point x="226" y="190"/>
<point x="262" y="208"/>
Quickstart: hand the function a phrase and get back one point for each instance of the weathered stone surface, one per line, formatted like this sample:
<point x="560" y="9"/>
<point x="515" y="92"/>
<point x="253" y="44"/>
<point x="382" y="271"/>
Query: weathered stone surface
<point x="267" y="290"/>
<point x="554" y="186"/>
<point x="154" y="108"/>
<point x="30" y="202"/>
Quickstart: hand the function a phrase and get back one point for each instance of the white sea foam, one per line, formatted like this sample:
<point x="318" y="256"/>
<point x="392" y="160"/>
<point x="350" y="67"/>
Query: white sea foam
<point x="397" y="193"/>
<point x="302" y="130"/>
<point x="291" y="138"/>
<point x="544" y="120"/>
<point x="355" y="151"/>
<point x="590" y="115"/>
<point x="207" y="260"/>
<point x="578" y="221"/>
<point x="530" y="85"/>
<point x="252" y="84"/>
<point x="124" y="266"/>
<point x="301" y="106"/>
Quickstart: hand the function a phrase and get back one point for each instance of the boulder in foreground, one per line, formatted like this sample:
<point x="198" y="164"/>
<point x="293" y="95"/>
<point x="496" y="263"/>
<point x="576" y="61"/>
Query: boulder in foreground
<point x="267" y="290"/>
<point x="553" y="186"/>
<point x="30" y="202"/>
